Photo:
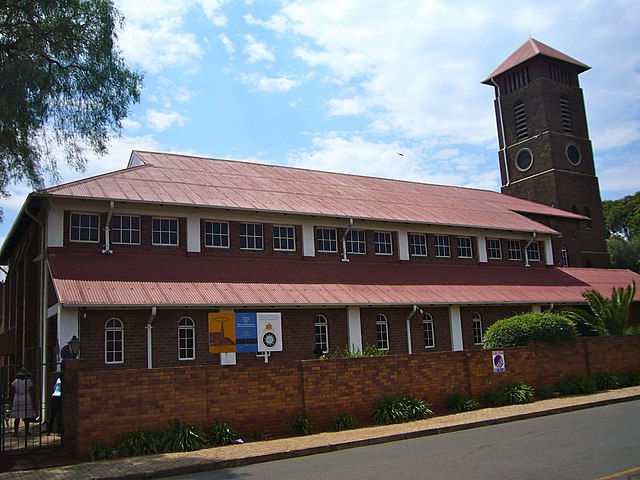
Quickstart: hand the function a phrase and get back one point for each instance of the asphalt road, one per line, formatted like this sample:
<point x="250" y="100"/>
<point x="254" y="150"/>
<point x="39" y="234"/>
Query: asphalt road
<point x="586" y="444"/>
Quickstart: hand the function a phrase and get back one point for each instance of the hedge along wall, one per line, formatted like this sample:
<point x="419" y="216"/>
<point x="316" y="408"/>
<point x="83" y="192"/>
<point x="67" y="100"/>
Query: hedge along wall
<point x="101" y="405"/>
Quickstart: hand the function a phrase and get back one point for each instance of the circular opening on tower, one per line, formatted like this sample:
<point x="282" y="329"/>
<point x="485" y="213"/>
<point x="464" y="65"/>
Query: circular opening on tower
<point x="573" y="154"/>
<point x="524" y="159"/>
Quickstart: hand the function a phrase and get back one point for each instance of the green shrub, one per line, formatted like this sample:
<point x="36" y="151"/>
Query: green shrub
<point x="521" y="329"/>
<point x="138" y="443"/>
<point x="344" y="422"/>
<point x="180" y="436"/>
<point x="517" y="394"/>
<point x="301" y="426"/>
<point x="459" y="402"/>
<point x="393" y="409"/>
<point x="260" y="435"/>
<point x="577" y="386"/>
<point x="100" y="451"/>
<point x="634" y="378"/>
<point x="607" y="381"/>
<point x="353" y="352"/>
<point x="546" y="392"/>
<point x="221" y="434"/>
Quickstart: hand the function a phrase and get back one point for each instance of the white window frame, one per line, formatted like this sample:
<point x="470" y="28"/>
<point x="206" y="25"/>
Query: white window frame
<point x="114" y="333"/>
<point x="186" y="339"/>
<point x="131" y="231"/>
<point x="161" y="231"/>
<point x="253" y="237"/>
<point x="468" y="248"/>
<point x="494" y="249"/>
<point x="211" y="237"/>
<point x="515" y="250"/>
<point x="289" y="240"/>
<point x="429" y="333"/>
<point x="383" y="243"/>
<point x="478" y="334"/>
<point x="321" y="326"/>
<point x="75" y="231"/>
<point x="382" y="332"/>
<point x="533" y="252"/>
<point x="326" y="237"/>
<point x="443" y="246"/>
<point x="420" y="245"/>
<point x="356" y="238"/>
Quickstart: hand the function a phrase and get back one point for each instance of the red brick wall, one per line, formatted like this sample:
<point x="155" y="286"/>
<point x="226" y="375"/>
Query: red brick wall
<point x="100" y="405"/>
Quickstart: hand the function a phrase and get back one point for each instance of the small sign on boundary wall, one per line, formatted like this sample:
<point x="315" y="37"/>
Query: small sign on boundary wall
<point x="498" y="361"/>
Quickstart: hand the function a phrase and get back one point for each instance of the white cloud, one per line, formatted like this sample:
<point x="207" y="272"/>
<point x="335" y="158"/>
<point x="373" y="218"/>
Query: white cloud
<point x="212" y="9"/>
<point x="228" y="44"/>
<point x="617" y="135"/>
<point x="160" y="121"/>
<point x="269" y="84"/>
<point x="257" y="51"/>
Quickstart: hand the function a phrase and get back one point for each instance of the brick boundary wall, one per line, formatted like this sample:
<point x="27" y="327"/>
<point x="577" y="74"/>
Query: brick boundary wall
<point x="100" y="406"/>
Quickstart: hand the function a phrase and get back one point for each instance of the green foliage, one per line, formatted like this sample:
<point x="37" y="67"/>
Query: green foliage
<point x="606" y="316"/>
<point x="577" y="386"/>
<point x="138" y="443"/>
<point x="260" y="435"/>
<point x="180" y="436"/>
<point x="622" y="217"/>
<point x="344" y="422"/>
<point x="394" y="409"/>
<point x="516" y="394"/>
<point x="459" y="402"/>
<point x="353" y="352"/>
<point x="546" y="392"/>
<point x="301" y="426"/>
<point x="100" y="451"/>
<point x="521" y="329"/>
<point x="634" y="378"/>
<point x="624" y="253"/>
<point x="63" y="81"/>
<point x="221" y="434"/>
<point x="608" y="381"/>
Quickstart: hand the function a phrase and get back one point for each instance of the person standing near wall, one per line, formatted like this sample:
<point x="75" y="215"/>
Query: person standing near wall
<point x="56" y="398"/>
<point x="22" y="406"/>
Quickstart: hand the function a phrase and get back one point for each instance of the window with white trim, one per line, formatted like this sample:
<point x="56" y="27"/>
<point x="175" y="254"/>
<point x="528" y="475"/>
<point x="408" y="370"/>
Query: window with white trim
<point x="464" y="247"/>
<point x="418" y="244"/>
<point x="443" y="248"/>
<point x="382" y="329"/>
<point x="186" y="339"/>
<point x="356" y="242"/>
<point x="515" y="252"/>
<point x="494" y="249"/>
<point x="84" y="227"/>
<point x="284" y="238"/>
<point x="164" y="231"/>
<point x="322" y="334"/>
<point x="383" y="243"/>
<point x="477" y="329"/>
<point x="216" y="234"/>
<point x="326" y="240"/>
<point x="533" y="252"/>
<point x="429" y="334"/>
<point x="125" y="229"/>
<point x="564" y="253"/>
<point x="251" y="236"/>
<point x="114" y="341"/>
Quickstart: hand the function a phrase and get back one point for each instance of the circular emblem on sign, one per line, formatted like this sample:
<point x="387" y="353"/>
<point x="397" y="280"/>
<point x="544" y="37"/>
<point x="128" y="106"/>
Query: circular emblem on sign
<point x="269" y="339"/>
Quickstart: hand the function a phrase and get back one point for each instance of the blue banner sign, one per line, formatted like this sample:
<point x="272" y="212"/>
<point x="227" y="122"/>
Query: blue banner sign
<point x="246" y="332"/>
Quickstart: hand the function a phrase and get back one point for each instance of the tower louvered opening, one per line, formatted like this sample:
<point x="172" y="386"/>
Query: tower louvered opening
<point x="565" y="111"/>
<point x="520" y="116"/>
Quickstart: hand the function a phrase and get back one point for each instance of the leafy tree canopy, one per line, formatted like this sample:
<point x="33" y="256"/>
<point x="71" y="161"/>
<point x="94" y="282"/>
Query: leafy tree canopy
<point x="63" y="83"/>
<point x="622" y="217"/>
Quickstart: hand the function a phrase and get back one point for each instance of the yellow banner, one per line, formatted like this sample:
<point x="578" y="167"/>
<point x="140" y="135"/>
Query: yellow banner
<point x="222" y="332"/>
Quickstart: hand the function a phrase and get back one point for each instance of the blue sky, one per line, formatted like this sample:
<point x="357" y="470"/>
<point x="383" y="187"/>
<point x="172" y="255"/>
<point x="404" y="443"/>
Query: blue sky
<point x="346" y="85"/>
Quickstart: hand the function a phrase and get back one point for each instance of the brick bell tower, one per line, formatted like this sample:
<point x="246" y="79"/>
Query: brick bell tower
<point x="545" y="150"/>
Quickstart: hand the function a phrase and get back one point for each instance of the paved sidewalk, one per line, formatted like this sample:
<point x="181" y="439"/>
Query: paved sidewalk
<point x="169" y="464"/>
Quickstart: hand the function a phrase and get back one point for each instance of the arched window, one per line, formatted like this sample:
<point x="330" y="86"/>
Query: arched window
<point x="565" y="256"/>
<point x="429" y="335"/>
<point x="382" y="329"/>
<point x="477" y="329"/>
<point x="587" y="213"/>
<point x="322" y="335"/>
<point x="186" y="339"/>
<point x="565" y="111"/>
<point x="114" y="341"/>
<point x="520" y="117"/>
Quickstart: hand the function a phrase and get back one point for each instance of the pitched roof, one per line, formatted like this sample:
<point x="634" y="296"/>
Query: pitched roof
<point x="195" y="181"/>
<point x="530" y="49"/>
<point x="124" y="279"/>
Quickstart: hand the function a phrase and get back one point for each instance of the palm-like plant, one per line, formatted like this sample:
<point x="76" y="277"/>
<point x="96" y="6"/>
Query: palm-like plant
<point x="607" y="316"/>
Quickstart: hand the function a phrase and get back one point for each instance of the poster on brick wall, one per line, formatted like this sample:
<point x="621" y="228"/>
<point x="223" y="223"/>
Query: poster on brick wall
<point x="222" y="332"/>
<point x="246" y="332"/>
<point x="498" y="361"/>
<point x="269" y="331"/>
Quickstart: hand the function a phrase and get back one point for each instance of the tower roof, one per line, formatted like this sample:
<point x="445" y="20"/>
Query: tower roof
<point x="528" y="50"/>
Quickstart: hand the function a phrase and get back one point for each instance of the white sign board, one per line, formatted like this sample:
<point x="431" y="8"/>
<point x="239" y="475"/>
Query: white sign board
<point x="498" y="361"/>
<point x="269" y="331"/>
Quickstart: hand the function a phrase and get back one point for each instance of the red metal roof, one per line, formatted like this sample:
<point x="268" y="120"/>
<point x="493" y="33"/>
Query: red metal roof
<point x="530" y="49"/>
<point x="193" y="181"/>
<point x="200" y="280"/>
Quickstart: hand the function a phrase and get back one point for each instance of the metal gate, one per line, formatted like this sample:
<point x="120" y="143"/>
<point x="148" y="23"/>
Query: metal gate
<point x="31" y="417"/>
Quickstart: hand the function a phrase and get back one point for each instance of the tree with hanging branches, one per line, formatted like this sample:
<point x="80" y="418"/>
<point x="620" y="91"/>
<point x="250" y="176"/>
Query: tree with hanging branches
<point x="606" y="316"/>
